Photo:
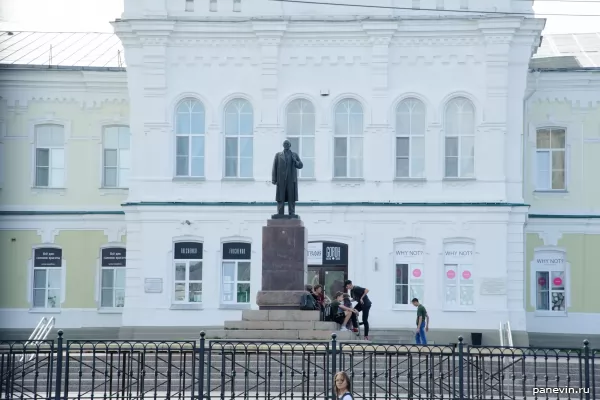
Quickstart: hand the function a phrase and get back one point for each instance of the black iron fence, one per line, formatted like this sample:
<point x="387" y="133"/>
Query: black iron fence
<point x="246" y="369"/>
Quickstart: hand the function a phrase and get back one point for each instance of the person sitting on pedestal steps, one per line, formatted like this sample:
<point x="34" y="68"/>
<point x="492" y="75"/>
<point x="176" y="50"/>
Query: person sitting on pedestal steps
<point x="340" y="313"/>
<point x="363" y="304"/>
<point x="353" y="324"/>
<point x="285" y="176"/>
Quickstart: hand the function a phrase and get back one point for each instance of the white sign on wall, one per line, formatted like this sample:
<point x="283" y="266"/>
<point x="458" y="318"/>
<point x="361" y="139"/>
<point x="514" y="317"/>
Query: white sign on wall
<point x="408" y="253"/>
<point x="458" y="253"/>
<point x="315" y="253"/>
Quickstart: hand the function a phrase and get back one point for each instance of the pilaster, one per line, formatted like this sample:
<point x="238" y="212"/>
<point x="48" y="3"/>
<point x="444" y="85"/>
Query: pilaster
<point x="380" y="36"/>
<point x="269" y="36"/>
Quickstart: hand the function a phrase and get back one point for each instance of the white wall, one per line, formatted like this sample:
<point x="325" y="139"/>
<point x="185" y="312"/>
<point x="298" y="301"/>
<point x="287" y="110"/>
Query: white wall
<point x="370" y="233"/>
<point x="377" y="63"/>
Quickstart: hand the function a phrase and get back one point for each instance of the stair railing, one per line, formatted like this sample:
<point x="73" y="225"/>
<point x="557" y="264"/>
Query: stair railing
<point x="39" y="334"/>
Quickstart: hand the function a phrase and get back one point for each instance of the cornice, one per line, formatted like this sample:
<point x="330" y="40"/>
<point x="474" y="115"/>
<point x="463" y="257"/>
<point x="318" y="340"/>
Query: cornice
<point x="91" y="89"/>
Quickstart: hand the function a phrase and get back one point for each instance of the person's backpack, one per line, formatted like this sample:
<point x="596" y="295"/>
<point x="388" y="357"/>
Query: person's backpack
<point x="347" y="396"/>
<point x="307" y="302"/>
<point x="327" y="313"/>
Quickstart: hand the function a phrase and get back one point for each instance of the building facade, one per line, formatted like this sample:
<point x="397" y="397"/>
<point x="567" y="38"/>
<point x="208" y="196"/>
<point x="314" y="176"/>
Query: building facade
<point x="143" y="193"/>
<point x="563" y="236"/>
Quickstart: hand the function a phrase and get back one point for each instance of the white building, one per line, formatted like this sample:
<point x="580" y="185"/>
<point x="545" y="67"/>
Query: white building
<point x="409" y="125"/>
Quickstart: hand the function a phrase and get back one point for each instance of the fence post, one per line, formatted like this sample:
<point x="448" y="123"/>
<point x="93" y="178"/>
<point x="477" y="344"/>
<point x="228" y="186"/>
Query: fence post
<point x="586" y="354"/>
<point x="461" y="376"/>
<point x="333" y="365"/>
<point x="201" y="366"/>
<point x="59" y="362"/>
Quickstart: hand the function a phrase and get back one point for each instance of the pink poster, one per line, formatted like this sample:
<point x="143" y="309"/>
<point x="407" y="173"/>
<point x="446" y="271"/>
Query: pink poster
<point x="557" y="281"/>
<point x="417" y="273"/>
<point x="451" y="274"/>
<point x="542" y="281"/>
<point x="466" y="275"/>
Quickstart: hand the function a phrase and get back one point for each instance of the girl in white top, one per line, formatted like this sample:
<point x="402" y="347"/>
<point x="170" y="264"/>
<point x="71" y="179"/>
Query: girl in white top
<point x="343" y="388"/>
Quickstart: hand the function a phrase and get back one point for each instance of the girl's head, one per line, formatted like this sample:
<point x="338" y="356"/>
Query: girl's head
<point x="342" y="383"/>
<point x="339" y="296"/>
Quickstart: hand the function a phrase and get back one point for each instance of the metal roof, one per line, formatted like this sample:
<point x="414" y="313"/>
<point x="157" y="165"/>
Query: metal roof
<point x="568" y="51"/>
<point x="104" y="50"/>
<point x="62" y="49"/>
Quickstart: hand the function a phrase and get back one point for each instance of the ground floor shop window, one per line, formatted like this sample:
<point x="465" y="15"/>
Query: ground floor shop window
<point x="236" y="272"/>
<point x="550" y="281"/>
<point x="459" y="282"/>
<point x="112" y="279"/>
<point x="187" y="282"/>
<point x="47" y="277"/>
<point x="409" y="270"/>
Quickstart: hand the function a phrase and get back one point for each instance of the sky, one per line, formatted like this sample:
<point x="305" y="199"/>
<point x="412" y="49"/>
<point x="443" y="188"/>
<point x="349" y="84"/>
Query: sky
<point x="94" y="15"/>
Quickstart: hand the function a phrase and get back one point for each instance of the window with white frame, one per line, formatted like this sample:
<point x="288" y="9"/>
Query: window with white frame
<point x="459" y="283"/>
<point x="116" y="145"/>
<point x="187" y="265"/>
<point x="300" y="131"/>
<point x="190" y="129"/>
<point x="348" y="140"/>
<point x="409" y="268"/>
<point x="50" y="156"/>
<point x="239" y="142"/>
<point x="550" y="159"/>
<point x="410" y="139"/>
<point x="460" y="139"/>
<point x="550" y="281"/>
<point x="47" y="277"/>
<point x="112" y="277"/>
<point x="236" y="269"/>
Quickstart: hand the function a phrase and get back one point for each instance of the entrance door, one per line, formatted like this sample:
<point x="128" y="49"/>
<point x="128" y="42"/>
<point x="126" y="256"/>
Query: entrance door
<point x="331" y="277"/>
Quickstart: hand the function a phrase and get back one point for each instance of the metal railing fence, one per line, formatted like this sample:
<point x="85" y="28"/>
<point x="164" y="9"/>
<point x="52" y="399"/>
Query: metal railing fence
<point x="254" y="369"/>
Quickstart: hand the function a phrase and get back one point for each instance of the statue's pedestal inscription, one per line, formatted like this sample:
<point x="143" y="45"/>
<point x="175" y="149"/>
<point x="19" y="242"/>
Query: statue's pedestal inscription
<point x="284" y="267"/>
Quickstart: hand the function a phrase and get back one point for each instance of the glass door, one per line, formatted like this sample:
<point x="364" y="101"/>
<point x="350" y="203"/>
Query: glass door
<point x="331" y="277"/>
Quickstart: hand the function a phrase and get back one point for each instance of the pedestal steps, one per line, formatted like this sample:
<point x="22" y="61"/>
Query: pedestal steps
<point x="280" y="325"/>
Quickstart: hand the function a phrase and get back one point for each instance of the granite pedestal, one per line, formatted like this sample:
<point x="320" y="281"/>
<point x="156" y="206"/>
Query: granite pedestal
<point x="284" y="264"/>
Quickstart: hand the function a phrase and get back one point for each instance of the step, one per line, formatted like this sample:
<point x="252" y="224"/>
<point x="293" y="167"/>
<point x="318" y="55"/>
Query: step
<point x="273" y="325"/>
<point x="290" y="334"/>
<point x="280" y="315"/>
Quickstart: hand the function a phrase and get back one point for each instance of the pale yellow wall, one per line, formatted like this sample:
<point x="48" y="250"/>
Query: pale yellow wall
<point x="83" y="155"/>
<point x="583" y="253"/>
<point x="583" y="143"/>
<point x="16" y="250"/>
<point x="81" y="251"/>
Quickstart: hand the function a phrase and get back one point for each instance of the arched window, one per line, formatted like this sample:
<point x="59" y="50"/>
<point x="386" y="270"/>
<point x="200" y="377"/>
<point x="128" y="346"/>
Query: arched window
<point x="348" y="140"/>
<point x="460" y="139"/>
<point x="300" y="131"/>
<point x="410" y="139"/>
<point x="190" y="128"/>
<point x="239" y="129"/>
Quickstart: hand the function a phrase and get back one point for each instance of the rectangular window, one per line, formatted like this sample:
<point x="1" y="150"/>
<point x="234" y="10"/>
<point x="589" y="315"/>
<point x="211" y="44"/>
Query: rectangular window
<point x="550" y="291"/>
<point x="459" y="284"/>
<point x="49" y="156"/>
<point x="112" y="279"/>
<point x="116" y="156"/>
<point x="348" y="157"/>
<point x="47" y="277"/>
<point x="238" y="157"/>
<point x="236" y="271"/>
<point x="188" y="272"/>
<point x="550" y="159"/>
<point x="409" y="283"/>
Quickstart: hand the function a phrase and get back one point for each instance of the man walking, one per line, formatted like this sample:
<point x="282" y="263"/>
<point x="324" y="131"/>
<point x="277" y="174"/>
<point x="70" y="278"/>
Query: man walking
<point x="422" y="322"/>
<point x="363" y="304"/>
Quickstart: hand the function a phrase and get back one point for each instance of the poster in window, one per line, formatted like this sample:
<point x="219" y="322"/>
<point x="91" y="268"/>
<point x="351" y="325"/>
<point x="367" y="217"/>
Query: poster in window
<point x="113" y="257"/>
<point x="237" y="251"/>
<point x="188" y="251"/>
<point x="47" y="257"/>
